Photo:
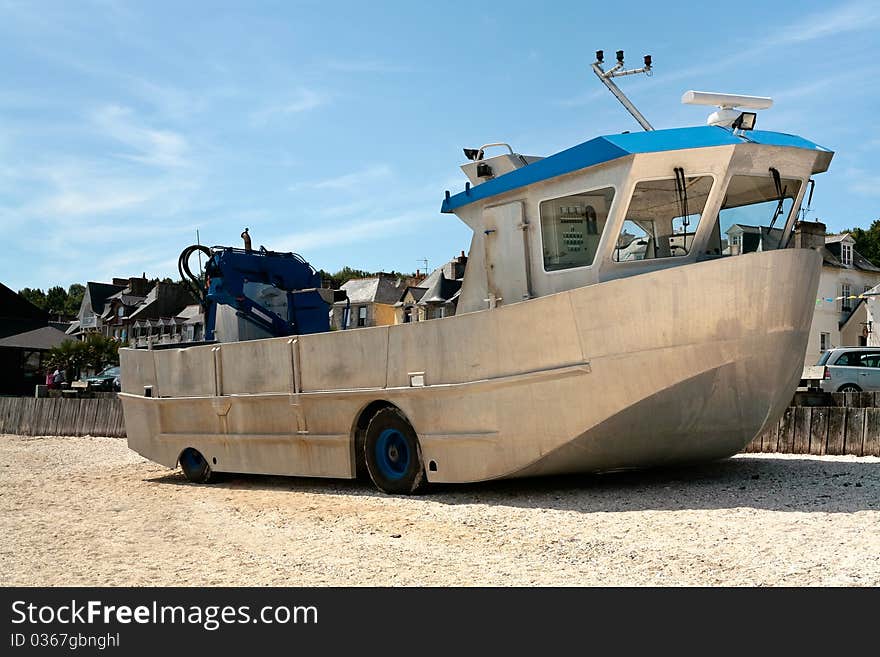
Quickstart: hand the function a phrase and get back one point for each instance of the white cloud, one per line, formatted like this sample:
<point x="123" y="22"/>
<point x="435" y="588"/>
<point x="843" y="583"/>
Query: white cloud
<point x="852" y="17"/>
<point x="304" y="100"/>
<point x="160" y="148"/>
<point x="355" y="231"/>
<point x="347" y="182"/>
<point x="863" y="182"/>
<point x="581" y="100"/>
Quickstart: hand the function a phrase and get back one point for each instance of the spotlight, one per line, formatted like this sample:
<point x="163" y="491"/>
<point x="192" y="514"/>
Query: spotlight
<point x="600" y="56"/>
<point x="472" y="153"/>
<point x="745" y="121"/>
<point x="484" y="170"/>
<point x="620" y="56"/>
<point x="648" y="61"/>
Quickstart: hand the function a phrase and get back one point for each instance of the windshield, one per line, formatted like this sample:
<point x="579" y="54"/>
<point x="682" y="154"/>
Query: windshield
<point x="662" y="218"/>
<point x="755" y="212"/>
<point x="113" y="370"/>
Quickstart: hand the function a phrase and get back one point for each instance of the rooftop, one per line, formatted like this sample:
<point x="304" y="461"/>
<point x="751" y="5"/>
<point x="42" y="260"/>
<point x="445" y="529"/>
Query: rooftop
<point x="611" y="147"/>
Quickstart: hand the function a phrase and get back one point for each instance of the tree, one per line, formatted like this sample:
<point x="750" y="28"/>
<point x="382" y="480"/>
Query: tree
<point x="867" y="242"/>
<point x="95" y="352"/>
<point x="56" y="300"/>
<point x="75" y="294"/>
<point x="35" y="296"/>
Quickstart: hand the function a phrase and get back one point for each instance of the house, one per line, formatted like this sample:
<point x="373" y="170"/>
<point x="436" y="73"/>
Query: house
<point x="443" y="287"/>
<point x="25" y="337"/>
<point x="371" y="301"/>
<point x="407" y="309"/>
<point x="93" y="305"/>
<point x="159" y="318"/>
<point x="840" y="318"/>
<point x="441" y="298"/>
<point x="743" y="238"/>
<point x="116" y="318"/>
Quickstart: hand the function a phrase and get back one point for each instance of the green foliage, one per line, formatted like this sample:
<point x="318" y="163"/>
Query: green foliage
<point x="95" y="352"/>
<point x="35" y="296"/>
<point x="347" y="273"/>
<point x="75" y="294"/>
<point x="868" y="241"/>
<point x="56" y="300"/>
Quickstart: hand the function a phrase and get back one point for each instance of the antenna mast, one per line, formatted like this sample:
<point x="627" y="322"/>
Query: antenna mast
<point x="616" y="72"/>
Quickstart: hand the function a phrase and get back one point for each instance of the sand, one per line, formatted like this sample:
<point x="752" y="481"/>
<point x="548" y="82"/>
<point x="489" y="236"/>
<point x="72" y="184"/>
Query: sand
<point x="87" y="511"/>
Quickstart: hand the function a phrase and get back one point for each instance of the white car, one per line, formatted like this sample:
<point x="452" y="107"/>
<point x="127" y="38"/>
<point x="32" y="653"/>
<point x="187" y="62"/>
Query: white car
<point x="845" y="369"/>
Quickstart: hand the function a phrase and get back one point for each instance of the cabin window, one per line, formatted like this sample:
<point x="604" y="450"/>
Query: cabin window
<point x="754" y="214"/>
<point x="571" y="228"/>
<point x="662" y="218"/>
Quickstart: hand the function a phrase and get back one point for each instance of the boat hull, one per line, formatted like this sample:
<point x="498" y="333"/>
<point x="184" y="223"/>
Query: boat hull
<point x="682" y="365"/>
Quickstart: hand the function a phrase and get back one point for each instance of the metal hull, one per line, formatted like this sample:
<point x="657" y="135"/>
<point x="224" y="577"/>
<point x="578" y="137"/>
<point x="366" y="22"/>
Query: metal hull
<point x="681" y="365"/>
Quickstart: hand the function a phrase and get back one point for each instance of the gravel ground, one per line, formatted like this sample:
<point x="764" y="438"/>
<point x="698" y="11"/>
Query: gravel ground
<point x="87" y="511"/>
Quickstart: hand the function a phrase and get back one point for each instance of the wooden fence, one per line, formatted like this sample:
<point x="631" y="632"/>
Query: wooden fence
<point x="852" y="429"/>
<point x="28" y="416"/>
<point x="822" y="430"/>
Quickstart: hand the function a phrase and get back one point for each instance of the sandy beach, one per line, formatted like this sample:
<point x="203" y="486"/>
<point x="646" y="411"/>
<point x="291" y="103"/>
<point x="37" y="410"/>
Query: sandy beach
<point x="87" y="511"/>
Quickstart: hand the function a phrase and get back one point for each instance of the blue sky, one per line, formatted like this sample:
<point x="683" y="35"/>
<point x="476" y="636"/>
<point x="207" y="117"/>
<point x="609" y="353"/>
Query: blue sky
<point x="333" y="128"/>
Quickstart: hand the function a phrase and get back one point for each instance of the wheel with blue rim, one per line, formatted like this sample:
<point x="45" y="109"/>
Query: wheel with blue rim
<point x="392" y="453"/>
<point x="195" y="466"/>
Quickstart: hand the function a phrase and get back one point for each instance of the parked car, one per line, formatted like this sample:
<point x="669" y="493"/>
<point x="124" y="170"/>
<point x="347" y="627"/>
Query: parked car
<point x="106" y="380"/>
<point x="845" y="369"/>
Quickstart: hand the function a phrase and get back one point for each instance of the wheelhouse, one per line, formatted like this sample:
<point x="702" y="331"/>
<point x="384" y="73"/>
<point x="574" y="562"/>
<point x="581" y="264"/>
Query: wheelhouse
<point x="623" y="205"/>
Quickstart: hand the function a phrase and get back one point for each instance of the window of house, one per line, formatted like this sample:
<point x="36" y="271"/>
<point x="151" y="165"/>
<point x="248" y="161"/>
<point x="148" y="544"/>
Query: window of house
<point x="571" y="228"/>
<point x="846" y="254"/>
<point x="441" y="312"/>
<point x="407" y="316"/>
<point x="845" y="302"/>
<point x="823" y="341"/>
<point x="662" y="219"/>
<point x="757" y="204"/>
<point x="362" y="316"/>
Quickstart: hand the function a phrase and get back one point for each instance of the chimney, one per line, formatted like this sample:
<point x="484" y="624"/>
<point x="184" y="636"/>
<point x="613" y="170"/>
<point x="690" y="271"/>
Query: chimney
<point x="459" y="267"/>
<point x="808" y="235"/>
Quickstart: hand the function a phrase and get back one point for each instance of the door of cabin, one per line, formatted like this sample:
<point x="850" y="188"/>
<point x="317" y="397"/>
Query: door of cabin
<point x="506" y="253"/>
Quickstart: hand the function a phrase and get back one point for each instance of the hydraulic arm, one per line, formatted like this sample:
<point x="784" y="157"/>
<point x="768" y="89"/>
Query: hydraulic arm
<point x="241" y="278"/>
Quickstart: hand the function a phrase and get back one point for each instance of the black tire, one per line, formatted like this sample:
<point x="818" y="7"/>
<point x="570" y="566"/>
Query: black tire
<point x="393" y="454"/>
<point x="849" y="387"/>
<point x="196" y="467"/>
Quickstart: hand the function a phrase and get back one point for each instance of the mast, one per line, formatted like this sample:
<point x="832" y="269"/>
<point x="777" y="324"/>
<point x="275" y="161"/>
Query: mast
<point x="616" y="72"/>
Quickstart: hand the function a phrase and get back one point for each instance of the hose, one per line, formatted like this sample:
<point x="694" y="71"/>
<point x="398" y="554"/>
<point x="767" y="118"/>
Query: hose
<point x="190" y="279"/>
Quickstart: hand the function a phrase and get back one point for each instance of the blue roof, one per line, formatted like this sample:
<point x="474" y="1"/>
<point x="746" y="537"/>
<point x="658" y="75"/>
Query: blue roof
<point x="611" y="147"/>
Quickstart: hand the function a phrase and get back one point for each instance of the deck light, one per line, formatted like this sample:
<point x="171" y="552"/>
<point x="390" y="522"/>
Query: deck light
<point x="648" y="62"/>
<point x="745" y="121"/>
<point x="620" y="56"/>
<point x="600" y="56"/>
<point x="472" y="153"/>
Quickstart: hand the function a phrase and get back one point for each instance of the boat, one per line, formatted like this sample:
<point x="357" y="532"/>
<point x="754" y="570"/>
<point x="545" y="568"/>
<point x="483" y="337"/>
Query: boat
<point x="634" y="301"/>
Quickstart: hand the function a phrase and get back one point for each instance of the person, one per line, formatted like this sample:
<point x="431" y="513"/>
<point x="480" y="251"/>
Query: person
<point x="50" y="380"/>
<point x="57" y="378"/>
<point x="247" y="240"/>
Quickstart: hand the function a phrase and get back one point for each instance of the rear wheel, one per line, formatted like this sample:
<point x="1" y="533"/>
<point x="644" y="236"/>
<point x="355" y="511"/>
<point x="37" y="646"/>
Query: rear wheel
<point x="849" y="387"/>
<point x="392" y="453"/>
<point x="196" y="467"/>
